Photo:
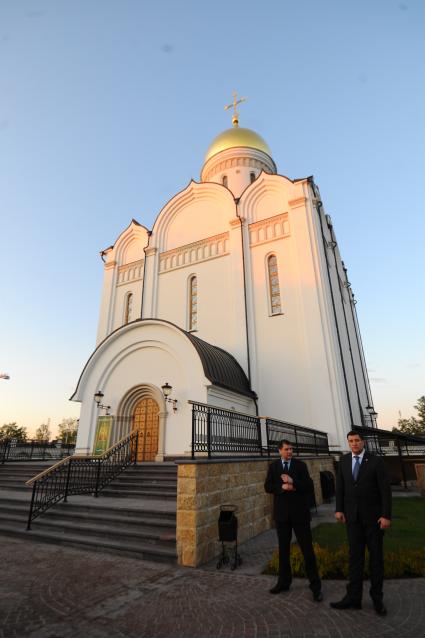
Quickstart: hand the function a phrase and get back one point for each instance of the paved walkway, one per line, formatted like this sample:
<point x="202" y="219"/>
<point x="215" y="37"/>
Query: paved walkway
<point x="48" y="591"/>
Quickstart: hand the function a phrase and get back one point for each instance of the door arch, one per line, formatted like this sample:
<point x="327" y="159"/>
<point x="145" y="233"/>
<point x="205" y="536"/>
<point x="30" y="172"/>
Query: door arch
<point x="146" y="423"/>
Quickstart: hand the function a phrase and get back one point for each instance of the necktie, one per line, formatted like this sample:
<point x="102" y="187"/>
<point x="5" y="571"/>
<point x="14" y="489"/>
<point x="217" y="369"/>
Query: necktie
<point x="285" y="468"/>
<point x="356" y="469"/>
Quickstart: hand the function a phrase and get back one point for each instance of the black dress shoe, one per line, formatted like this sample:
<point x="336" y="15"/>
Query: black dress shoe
<point x="317" y="596"/>
<point x="380" y="609"/>
<point x="346" y="603"/>
<point x="278" y="588"/>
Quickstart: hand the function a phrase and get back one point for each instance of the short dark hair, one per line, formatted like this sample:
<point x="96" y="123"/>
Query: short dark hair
<point x="284" y="442"/>
<point x="354" y="433"/>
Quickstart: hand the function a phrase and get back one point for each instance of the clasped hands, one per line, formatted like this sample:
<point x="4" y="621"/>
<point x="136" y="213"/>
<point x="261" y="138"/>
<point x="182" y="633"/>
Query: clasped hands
<point x="384" y="523"/>
<point x="287" y="483"/>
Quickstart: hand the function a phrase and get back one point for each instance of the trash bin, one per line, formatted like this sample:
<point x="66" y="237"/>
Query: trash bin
<point x="227" y="524"/>
<point x="228" y="533"/>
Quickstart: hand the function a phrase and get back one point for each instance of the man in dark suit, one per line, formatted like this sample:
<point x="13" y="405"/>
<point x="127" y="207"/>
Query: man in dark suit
<point x="363" y="502"/>
<point x="290" y="483"/>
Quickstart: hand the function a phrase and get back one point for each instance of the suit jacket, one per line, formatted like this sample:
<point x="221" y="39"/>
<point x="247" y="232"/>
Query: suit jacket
<point x="370" y="497"/>
<point x="290" y="506"/>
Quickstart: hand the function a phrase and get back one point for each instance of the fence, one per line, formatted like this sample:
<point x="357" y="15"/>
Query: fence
<point x="217" y="432"/>
<point x="15" y="450"/>
<point x="304" y="440"/>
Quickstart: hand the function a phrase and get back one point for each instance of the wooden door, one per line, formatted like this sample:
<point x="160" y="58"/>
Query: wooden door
<point x="146" y="421"/>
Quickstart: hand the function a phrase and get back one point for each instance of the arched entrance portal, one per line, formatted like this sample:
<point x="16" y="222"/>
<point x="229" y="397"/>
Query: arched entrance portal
<point x="146" y="422"/>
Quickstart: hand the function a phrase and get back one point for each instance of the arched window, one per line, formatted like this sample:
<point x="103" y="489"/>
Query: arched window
<point x="252" y="177"/>
<point x="128" y="304"/>
<point x="274" y="288"/>
<point x="224" y="180"/>
<point x="193" y="303"/>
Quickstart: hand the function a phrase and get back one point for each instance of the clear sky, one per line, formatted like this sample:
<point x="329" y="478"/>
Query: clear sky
<point x="106" y="111"/>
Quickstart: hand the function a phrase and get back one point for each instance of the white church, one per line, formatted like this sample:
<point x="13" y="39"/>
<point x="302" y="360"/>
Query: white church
<point x="236" y="298"/>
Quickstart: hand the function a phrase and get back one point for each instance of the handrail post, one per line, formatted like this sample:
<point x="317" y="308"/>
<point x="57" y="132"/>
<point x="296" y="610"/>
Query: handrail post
<point x="193" y="431"/>
<point x="209" y="432"/>
<point x="403" y="471"/>
<point x="96" y="490"/>
<point x="31" y="506"/>
<point x="136" y="445"/>
<point x="260" y="438"/>
<point x="296" y="441"/>
<point x="68" y="474"/>
<point x="267" y="437"/>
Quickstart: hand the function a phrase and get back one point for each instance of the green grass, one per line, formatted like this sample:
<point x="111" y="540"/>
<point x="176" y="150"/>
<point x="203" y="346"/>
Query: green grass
<point x="404" y="545"/>
<point x="407" y="529"/>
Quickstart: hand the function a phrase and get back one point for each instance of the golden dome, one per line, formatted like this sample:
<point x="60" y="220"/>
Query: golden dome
<point x="236" y="136"/>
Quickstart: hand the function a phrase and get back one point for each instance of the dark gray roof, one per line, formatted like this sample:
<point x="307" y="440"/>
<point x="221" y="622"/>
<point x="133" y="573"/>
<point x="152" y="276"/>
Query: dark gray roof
<point x="221" y="368"/>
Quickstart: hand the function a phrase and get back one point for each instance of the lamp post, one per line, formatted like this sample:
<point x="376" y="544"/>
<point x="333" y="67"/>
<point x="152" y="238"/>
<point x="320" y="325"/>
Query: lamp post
<point x="98" y="398"/>
<point x="166" y="391"/>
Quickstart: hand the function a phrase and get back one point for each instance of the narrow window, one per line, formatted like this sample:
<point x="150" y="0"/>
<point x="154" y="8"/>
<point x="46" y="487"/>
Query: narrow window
<point x="252" y="177"/>
<point x="128" y="307"/>
<point x="193" y="303"/>
<point x="273" y="275"/>
<point x="224" y="180"/>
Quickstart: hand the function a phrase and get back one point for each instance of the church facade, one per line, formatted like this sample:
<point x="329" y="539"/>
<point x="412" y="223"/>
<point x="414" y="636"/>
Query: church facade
<point x="237" y="298"/>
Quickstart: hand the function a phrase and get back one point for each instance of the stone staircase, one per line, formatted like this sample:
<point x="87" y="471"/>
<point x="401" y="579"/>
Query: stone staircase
<point x="135" y="515"/>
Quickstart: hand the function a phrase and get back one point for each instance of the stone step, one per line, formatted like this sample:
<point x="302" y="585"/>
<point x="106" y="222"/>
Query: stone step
<point x="106" y="529"/>
<point x="125" y="547"/>
<point x="7" y="480"/>
<point x="134" y="518"/>
<point x="14" y="486"/>
<point x="143" y="484"/>
<point x="150" y="476"/>
<point x="101" y="507"/>
<point x="111" y="490"/>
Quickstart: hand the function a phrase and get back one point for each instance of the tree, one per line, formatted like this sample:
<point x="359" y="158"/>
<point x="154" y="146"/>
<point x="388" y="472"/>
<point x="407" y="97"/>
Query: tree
<point x="43" y="432"/>
<point x="68" y="430"/>
<point x="12" y="431"/>
<point x="414" y="425"/>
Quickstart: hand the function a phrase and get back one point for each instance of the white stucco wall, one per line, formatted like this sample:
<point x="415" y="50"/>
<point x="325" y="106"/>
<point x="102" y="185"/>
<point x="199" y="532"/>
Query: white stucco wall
<point x="295" y="359"/>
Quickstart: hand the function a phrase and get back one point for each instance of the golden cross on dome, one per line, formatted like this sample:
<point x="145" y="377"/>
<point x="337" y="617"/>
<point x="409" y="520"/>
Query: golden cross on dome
<point x="235" y="118"/>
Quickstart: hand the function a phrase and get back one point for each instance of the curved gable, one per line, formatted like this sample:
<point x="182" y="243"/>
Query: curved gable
<point x="129" y="244"/>
<point x="267" y="196"/>
<point x="201" y="210"/>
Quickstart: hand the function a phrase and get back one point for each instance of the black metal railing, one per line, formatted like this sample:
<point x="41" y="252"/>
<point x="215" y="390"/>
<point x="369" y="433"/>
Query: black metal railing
<point x="14" y="450"/>
<point x="80" y="475"/>
<point x="388" y="443"/>
<point x="304" y="440"/>
<point x="220" y="432"/>
<point x="394" y="444"/>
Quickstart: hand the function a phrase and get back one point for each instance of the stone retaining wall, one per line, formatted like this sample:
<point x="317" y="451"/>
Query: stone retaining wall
<point x="206" y="484"/>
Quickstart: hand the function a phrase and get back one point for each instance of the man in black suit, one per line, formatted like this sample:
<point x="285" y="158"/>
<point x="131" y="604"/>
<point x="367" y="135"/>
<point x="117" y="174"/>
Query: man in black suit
<point x="363" y="502"/>
<point x="288" y="479"/>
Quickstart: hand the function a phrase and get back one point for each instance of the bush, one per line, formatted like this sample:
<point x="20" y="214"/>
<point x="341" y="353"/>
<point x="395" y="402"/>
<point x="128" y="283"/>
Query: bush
<point x="333" y="563"/>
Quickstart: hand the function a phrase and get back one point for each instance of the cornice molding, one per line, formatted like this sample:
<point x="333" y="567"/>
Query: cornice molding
<point x="130" y="272"/>
<point x="202" y="250"/>
<point x="237" y="157"/>
<point x="296" y="203"/>
<point x="269" y="229"/>
<point x="110" y="264"/>
<point x="152" y="250"/>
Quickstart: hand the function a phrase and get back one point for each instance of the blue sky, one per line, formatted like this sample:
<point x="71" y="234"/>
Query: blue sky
<point x="106" y="111"/>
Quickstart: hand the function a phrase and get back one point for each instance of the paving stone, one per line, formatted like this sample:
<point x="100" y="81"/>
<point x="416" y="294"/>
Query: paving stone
<point x="60" y="592"/>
